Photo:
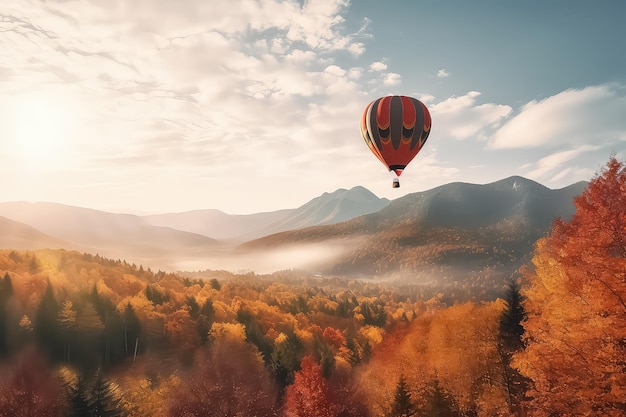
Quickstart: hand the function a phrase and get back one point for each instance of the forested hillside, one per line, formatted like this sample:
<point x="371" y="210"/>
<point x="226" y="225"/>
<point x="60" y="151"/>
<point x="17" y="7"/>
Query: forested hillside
<point x="82" y="335"/>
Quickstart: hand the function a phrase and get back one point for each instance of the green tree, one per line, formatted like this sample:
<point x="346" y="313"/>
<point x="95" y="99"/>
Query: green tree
<point x="439" y="402"/>
<point x="132" y="330"/>
<point x="114" y="335"/>
<point x="510" y="341"/>
<point x="285" y="358"/>
<point x="206" y="317"/>
<point x="6" y="292"/>
<point x="47" y="329"/>
<point x="105" y="399"/>
<point x="402" y="405"/>
<point x="67" y="322"/>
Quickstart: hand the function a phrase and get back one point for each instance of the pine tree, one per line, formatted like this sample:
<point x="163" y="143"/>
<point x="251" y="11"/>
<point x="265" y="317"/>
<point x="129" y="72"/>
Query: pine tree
<point x="6" y="292"/>
<point x="511" y="329"/>
<point x="510" y="341"/>
<point x="440" y="402"/>
<point x="132" y="329"/>
<point x="403" y="405"/>
<point x="105" y="400"/>
<point x="47" y="328"/>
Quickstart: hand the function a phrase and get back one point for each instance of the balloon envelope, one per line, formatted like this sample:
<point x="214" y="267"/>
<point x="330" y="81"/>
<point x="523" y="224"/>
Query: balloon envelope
<point x="395" y="128"/>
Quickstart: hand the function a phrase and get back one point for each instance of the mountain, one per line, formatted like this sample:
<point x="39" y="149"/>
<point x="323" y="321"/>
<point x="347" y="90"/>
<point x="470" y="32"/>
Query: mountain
<point x="216" y="223"/>
<point x="16" y="235"/>
<point x="455" y="232"/>
<point x="109" y="234"/>
<point x="329" y="208"/>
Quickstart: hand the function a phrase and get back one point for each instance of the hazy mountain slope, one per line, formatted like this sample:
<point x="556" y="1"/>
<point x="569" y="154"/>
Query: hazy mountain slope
<point x="458" y="231"/>
<point x="16" y="235"/>
<point x="217" y="224"/>
<point x="101" y="230"/>
<point x="328" y="208"/>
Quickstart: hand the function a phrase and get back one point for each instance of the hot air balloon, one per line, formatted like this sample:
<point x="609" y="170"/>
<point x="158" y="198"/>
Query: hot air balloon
<point x="395" y="128"/>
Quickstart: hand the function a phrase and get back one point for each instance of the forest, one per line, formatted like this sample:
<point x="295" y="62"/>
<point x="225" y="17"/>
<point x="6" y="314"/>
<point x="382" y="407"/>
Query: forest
<point x="84" y="335"/>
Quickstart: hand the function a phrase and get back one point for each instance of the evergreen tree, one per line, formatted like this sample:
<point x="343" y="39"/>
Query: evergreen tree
<point x="255" y="334"/>
<point x="194" y="307"/>
<point x="114" y="335"/>
<point x="132" y="329"/>
<point x="206" y="317"/>
<point x="285" y="358"/>
<point x="439" y="402"/>
<point x="402" y="403"/>
<point x="324" y="356"/>
<point x="105" y="399"/>
<point x="511" y="329"/>
<point x="6" y="292"/>
<point x="78" y="397"/>
<point x="47" y="328"/>
<point x="509" y="342"/>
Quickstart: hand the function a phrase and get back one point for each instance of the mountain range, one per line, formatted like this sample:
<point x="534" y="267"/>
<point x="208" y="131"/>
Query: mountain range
<point x="453" y="233"/>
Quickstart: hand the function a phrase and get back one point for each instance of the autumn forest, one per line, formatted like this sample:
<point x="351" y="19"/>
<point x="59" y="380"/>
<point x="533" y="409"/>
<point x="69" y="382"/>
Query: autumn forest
<point x="83" y="335"/>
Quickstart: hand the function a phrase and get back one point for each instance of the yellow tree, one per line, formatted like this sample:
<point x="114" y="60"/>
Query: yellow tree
<point x="576" y="306"/>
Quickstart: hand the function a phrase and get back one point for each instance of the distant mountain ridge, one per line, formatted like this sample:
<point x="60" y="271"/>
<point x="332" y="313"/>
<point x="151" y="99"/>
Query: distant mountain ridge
<point x="329" y="208"/>
<point x="439" y="231"/>
<point x="458" y="232"/>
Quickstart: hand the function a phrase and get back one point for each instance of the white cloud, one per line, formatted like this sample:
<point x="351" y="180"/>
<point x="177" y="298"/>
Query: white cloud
<point x="392" y="78"/>
<point x="378" y="66"/>
<point x="552" y="165"/>
<point x="573" y="117"/>
<point x="442" y="73"/>
<point x="462" y="118"/>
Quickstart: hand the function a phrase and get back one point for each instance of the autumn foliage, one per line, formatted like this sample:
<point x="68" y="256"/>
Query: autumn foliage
<point x="85" y="335"/>
<point x="576" y="304"/>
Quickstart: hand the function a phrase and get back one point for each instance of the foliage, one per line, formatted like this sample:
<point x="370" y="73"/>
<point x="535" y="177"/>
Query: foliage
<point x="129" y="341"/>
<point x="576" y="305"/>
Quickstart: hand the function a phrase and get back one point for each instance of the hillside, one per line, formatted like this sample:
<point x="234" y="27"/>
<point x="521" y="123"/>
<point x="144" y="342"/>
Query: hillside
<point x="456" y="232"/>
<point x="109" y="234"/>
<point x="18" y="235"/>
<point x="329" y="208"/>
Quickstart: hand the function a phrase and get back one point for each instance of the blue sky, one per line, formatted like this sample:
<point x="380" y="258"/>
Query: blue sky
<point x="152" y="106"/>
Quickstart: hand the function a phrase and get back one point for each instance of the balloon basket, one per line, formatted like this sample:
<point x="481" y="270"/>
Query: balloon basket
<point x="395" y="183"/>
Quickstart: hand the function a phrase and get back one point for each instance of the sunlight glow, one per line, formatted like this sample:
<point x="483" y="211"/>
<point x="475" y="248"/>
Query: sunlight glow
<point x="42" y="128"/>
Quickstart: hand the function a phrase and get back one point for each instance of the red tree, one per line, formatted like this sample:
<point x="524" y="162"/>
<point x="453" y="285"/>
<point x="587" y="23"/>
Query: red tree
<point x="308" y="396"/>
<point x="31" y="389"/>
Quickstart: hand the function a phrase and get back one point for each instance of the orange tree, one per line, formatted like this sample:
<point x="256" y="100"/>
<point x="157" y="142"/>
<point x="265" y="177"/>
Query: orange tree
<point x="576" y="304"/>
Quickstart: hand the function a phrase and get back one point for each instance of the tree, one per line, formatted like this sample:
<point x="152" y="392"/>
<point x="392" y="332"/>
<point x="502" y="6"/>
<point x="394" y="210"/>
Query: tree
<point x="132" y="330"/>
<point x="439" y="402"/>
<point x="67" y="321"/>
<point x="30" y="388"/>
<point x="227" y="380"/>
<point x="576" y="305"/>
<point x="6" y="292"/>
<point x="308" y="396"/>
<point x="285" y="358"/>
<point x="511" y="329"/>
<point x="509" y="342"/>
<point x="105" y="398"/>
<point x="402" y="405"/>
<point x="47" y="329"/>
<point x="92" y="396"/>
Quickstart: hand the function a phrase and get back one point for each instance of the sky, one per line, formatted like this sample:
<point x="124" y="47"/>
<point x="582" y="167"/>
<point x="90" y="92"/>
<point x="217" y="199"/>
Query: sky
<point x="247" y="106"/>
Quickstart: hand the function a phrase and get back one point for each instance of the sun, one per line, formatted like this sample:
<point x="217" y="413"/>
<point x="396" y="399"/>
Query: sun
<point x="42" y="128"/>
